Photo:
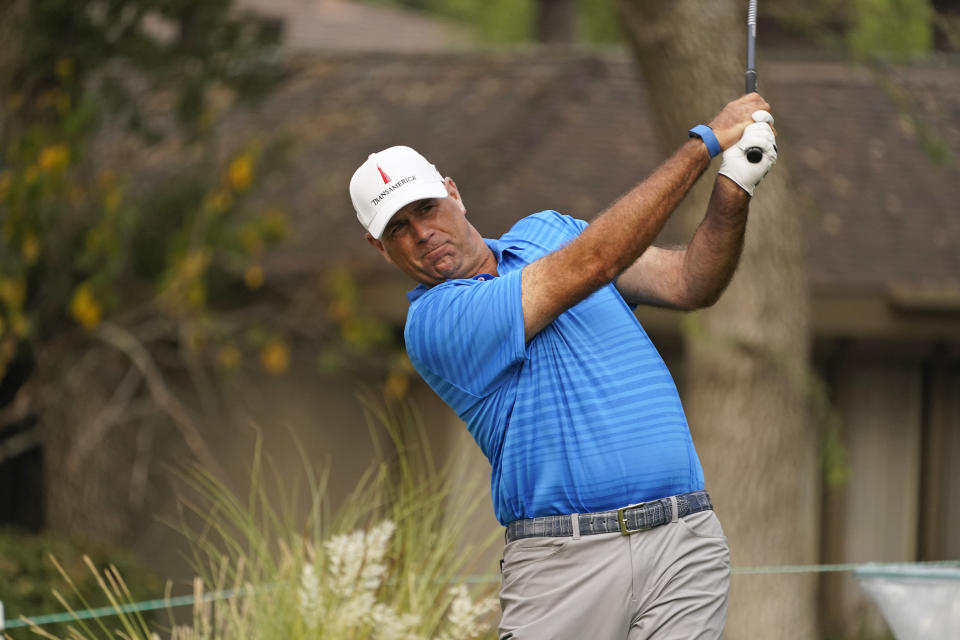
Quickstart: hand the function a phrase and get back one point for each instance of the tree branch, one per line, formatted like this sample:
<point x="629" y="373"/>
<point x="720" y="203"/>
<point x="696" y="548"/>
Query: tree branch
<point x="126" y="342"/>
<point x="110" y="415"/>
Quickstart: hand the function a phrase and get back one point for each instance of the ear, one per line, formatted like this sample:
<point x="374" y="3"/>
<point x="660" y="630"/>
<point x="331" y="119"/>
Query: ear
<point x="378" y="245"/>
<point x="453" y="192"/>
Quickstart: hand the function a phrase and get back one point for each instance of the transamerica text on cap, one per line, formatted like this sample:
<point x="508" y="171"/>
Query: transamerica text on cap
<point x="388" y="190"/>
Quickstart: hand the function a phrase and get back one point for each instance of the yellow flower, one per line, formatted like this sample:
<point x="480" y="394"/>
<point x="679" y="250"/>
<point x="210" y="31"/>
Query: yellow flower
<point x="13" y="291"/>
<point x="229" y="356"/>
<point x="250" y="239"/>
<point x="253" y="277"/>
<point x="93" y="239"/>
<point x="218" y="201"/>
<point x="397" y="384"/>
<point x="47" y="99"/>
<point x="340" y="309"/>
<point x="30" y="248"/>
<point x="15" y="101"/>
<point x="276" y="224"/>
<point x="20" y="326"/>
<point x="54" y="157"/>
<point x="63" y="103"/>
<point x="196" y="337"/>
<point x="64" y="67"/>
<point x="193" y="264"/>
<point x="5" y="181"/>
<point x="112" y="199"/>
<point x="197" y="294"/>
<point x="85" y="309"/>
<point x="240" y="172"/>
<point x="275" y="357"/>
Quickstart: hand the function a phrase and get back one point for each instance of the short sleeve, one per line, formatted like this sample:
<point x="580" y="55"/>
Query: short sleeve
<point x="468" y="333"/>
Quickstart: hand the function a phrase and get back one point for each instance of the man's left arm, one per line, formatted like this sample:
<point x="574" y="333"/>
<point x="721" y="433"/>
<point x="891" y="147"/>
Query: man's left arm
<point x="695" y="276"/>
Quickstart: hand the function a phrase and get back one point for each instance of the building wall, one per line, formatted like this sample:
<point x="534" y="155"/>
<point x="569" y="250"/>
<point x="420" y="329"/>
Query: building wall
<point x="900" y="422"/>
<point x="940" y="500"/>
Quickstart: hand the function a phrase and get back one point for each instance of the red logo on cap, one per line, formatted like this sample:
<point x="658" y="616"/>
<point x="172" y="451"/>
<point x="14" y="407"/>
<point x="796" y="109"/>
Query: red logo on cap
<point x="386" y="178"/>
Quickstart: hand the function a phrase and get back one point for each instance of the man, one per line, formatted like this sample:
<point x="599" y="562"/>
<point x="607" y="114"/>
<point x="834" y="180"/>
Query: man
<point x="531" y="339"/>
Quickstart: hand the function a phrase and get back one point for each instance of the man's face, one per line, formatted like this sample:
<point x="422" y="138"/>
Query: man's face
<point x="431" y="240"/>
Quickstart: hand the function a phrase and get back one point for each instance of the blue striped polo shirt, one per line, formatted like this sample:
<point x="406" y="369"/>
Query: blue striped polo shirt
<point x="585" y="417"/>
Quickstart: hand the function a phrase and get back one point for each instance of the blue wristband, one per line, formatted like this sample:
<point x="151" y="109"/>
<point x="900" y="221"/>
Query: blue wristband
<point x="706" y="134"/>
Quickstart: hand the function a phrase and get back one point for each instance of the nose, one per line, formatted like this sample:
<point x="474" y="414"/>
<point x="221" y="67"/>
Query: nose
<point x="421" y="230"/>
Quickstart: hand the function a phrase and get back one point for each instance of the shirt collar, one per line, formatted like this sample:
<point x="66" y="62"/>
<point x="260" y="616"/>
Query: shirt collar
<point x="498" y="249"/>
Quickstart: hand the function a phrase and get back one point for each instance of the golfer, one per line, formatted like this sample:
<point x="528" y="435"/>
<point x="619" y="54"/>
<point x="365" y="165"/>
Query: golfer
<point x="531" y="339"/>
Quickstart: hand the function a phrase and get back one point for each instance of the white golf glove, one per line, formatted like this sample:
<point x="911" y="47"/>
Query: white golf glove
<point x="735" y="164"/>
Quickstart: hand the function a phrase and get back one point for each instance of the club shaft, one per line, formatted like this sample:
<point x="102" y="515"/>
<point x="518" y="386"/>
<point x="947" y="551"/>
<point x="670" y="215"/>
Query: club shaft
<point x="751" y="76"/>
<point x="754" y="154"/>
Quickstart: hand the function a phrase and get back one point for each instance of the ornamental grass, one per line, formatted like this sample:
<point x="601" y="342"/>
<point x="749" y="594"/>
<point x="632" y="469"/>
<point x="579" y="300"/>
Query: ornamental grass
<point x="389" y="564"/>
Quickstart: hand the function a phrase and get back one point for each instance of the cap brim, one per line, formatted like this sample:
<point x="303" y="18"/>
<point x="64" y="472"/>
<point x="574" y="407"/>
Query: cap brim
<point x="401" y="198"/>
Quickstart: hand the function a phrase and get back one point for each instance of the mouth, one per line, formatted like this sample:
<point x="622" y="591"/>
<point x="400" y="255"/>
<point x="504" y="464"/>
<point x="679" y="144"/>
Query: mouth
<point x="434" y="252"/>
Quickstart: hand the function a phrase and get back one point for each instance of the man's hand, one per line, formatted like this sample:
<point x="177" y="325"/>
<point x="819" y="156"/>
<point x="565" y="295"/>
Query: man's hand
<point x="729" y="124"/>
<point x="735" y="165"/>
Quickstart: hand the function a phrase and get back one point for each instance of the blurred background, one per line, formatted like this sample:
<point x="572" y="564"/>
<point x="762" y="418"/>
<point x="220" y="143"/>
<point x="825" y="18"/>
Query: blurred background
<point x="181" y="270"/>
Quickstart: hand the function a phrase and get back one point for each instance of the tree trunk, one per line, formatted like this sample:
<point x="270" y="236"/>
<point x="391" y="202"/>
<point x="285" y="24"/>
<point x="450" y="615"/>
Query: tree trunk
<point x="556" y="21"/>
<point x="747" y="357"/>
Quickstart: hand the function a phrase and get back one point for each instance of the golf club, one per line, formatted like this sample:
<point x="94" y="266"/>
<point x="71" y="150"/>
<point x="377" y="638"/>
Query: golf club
<point x="754" y="154"/>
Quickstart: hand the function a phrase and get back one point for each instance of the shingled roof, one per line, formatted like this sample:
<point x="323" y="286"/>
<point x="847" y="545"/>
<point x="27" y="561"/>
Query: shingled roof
<point x="569" y="130"/>
<point x="346" y="25"/>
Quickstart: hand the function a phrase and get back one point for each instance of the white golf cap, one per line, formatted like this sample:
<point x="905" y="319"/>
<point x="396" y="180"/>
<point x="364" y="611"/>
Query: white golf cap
<point x="390" y="180"/>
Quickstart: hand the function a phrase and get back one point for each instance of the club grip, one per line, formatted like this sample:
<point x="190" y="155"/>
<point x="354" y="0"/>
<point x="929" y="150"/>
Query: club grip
<point x="754" y="154"/>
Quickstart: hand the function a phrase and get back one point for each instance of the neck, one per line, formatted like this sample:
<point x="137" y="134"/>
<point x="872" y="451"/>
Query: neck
<point x="489" y="264"/>
<point x="485" y="260"/>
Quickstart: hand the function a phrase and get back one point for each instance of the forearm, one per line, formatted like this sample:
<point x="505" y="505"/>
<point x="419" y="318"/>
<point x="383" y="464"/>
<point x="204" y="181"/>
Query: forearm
<point x="612" y="242"/>
<point x="711" y="258"/>
<point x="619" y="235"/>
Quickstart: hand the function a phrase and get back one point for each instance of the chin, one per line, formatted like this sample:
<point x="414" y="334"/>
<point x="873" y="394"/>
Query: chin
<point x="450" y="273"/>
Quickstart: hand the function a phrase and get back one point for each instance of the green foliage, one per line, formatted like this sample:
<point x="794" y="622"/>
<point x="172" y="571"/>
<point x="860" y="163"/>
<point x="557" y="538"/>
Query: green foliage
<point x="494" y="21"/>
<point x="186" y="46"/>
<point x="497" y="21"/>
<point x="96" y="251"/>
<point x="895" y="30"/>
<point x="511" y="21"/>
<point x="27" y="576"/>
<point x="83" y="243"/>
<point x="598" y="21"/>
<point x="360" y="331"/>
<point x="934" y="146"/>
<point x="826" y="417"/>
<point x="78" y="246"/>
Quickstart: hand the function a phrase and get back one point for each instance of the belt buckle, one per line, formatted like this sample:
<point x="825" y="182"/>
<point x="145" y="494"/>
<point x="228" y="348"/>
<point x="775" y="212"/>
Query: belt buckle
<point x="623" y="523"/>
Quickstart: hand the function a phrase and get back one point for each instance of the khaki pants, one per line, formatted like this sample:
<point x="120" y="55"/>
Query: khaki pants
<point x="664" y="583"/>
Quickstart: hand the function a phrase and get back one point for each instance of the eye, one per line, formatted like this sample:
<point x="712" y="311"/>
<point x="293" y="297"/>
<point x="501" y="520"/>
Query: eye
<point x="395" y="228"/>
<point x="427" y="206"/>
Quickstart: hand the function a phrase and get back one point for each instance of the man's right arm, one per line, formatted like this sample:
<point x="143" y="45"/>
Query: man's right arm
<point x="616" y="238"/>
